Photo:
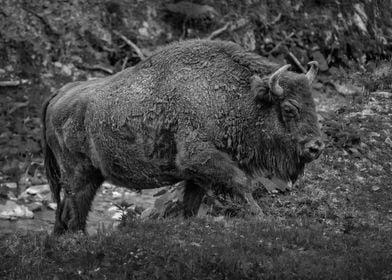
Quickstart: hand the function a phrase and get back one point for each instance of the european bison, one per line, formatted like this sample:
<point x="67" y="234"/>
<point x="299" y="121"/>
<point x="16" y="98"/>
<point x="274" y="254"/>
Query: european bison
<point x="202" y="111"/>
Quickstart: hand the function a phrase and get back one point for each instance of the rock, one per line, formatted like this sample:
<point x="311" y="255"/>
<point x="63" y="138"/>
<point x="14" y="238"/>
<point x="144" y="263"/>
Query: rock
<point x="67" y="69"/>
<point x="219" y="219"/>
<point x="117" y="216"/>
<point x="8" y="190"/>
<point x="347" y="89"/>
<point x="38" y="189"/>
<point x="170" y="203"/>
<point x="52" y="206"/>
<point x="149" y="213"/>
<point x="108" y="186"/>
<point x="116" y="194"/>
<point x="58" y="64"/>
<point x="384" y="94"/>
<point x="375" y="188"/>
<point x="35" y="206"/>
<point x="11" y="211"/>
<point x="10" y="185"/>
<point x="113" y="208"/>
<point x="36" y="193"/>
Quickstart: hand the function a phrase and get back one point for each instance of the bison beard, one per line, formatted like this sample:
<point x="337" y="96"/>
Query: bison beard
<point x="276" y="157"/>
<point x="197" y="110"/>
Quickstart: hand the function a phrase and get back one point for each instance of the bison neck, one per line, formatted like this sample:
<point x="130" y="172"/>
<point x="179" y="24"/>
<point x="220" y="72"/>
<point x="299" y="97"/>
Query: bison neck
<point x="260" y="154"/>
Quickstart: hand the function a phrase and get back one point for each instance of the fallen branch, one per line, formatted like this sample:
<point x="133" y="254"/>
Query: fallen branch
<point x="124" y="64"/>
<point x="280" y="43"/>
<point x="218" y="31"/>
<point x="132" y="45"/>
<point x="44" y="21"/>
<point x="13" y="83"/>
<point x="297" y="62"/>
<point x="96" y="67"/>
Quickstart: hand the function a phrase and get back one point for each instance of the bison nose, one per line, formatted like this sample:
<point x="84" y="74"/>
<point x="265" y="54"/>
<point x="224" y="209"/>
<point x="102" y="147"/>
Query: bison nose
<point x="313" y="149"/>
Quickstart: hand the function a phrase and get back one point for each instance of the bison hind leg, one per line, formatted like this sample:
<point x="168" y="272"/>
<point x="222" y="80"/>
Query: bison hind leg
<point x="85" y="187"/>
<point x="62" y="218"/>
<point x="72" y="212"/>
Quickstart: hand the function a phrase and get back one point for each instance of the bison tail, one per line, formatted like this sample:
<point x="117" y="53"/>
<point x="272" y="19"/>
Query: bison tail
<point x="51" y="166"/>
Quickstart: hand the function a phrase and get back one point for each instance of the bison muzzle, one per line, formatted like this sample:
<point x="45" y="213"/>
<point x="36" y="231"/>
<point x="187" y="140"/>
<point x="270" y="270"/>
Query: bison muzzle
<point x="202" y="111"/>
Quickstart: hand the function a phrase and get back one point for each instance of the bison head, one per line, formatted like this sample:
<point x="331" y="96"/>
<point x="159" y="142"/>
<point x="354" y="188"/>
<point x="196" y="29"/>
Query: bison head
<point x="287" y="135"/>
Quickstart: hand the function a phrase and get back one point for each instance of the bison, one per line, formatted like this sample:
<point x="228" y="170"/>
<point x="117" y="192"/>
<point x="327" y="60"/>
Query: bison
<point x="206" y="112"/>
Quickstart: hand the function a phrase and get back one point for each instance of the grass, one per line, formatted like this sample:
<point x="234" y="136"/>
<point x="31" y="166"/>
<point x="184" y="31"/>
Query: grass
<point x="201" y="249"/>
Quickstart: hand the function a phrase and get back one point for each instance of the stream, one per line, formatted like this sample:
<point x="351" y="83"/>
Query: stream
<point x="101" y="215"/>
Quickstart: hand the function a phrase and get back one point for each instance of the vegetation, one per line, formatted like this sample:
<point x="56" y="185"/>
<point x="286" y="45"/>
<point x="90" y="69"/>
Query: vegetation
<point x="289" y="248"/>
<point x="335" y="225"/>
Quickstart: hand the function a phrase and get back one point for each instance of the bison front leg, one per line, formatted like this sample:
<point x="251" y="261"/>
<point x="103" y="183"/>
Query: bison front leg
<point x="201" y="162"/>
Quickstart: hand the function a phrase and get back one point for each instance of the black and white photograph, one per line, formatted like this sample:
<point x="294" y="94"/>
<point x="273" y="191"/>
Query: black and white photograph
<point x="196" y="139"/>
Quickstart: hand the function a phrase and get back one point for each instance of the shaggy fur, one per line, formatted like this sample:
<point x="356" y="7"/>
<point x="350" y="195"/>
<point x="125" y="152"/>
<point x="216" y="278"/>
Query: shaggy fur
<point x="187" y="112"/>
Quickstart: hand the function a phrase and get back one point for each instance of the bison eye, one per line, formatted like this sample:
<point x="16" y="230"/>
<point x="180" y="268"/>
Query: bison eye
<point x="290" y="109"/>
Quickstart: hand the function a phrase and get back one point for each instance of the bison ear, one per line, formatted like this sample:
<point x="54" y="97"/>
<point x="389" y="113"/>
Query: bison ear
<point x="260" y="89"/>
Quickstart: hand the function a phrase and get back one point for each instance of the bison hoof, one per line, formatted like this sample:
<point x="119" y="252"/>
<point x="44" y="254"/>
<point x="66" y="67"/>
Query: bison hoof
<point x="256" y="210"/>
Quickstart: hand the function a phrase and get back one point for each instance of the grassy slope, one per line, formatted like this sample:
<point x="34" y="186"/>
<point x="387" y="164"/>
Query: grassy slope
<point x="337" y="225"/>
<point x="196" y="249"/>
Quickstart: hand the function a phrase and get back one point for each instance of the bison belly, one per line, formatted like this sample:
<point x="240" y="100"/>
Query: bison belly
<point x="140" y="156"/>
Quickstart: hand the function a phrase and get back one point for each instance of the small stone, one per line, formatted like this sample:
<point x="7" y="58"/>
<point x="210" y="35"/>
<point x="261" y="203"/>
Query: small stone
<point x="195" y="244"/>
<point x="8" y="190"/>
<point x="11" y="196"/>
<point x="36" y="193"/>
<point x="374" y="134"/>
<point x="143" y="31"/>
<point x="384" y="94"/>
<point x="375" y="188"/>
<point x="52" y="206"/>
<point x="58" y="64"/>
<point x="10" y="185"/>
<point x="35" y="206"/>
<point x="108" y="186"/>
<point x="116" y="195"/>
<point x="388" y="141"/>
<point x="67" y="69"/>
<point x="112" y="209"/>
<point x="13" y="211"/>
<point x="218" y="219"/>
<point x="38" y="189"/>
<point x="117" y="216"/>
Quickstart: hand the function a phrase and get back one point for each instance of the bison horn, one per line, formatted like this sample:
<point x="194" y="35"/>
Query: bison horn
<point x="311" y="74"/>
<point x="273" y="81"/>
